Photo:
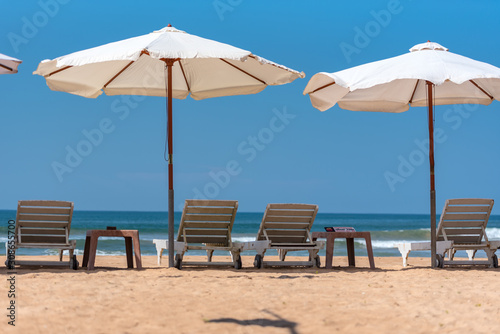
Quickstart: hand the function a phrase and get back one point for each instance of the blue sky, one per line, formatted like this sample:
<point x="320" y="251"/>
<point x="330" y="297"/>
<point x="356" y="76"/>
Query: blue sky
<point x="337" y="159"/>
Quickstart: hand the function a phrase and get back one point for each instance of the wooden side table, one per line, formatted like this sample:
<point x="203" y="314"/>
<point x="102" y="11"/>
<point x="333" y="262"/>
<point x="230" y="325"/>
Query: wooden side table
<point x="349" y="236"/>
<point x="131" y="237"/>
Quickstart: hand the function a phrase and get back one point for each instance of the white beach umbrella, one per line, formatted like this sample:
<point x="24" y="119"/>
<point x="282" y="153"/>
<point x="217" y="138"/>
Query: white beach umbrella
<point x="429" y="75"/>
<point x="167" y="62"/>
<point x="8" y="65"/>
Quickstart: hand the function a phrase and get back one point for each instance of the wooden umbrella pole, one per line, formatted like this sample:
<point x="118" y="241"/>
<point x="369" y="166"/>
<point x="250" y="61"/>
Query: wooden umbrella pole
<point x="170" y="63"/>
<point x="431" y="163"/>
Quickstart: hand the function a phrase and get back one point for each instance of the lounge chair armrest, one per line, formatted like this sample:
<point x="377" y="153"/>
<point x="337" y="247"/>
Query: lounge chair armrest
<point x="179" y="246"/>
<point x="259" y="246"/>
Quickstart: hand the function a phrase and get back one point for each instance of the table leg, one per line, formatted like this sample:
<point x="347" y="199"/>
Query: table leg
<point x="128" y="250"/>
<point x="350" y="251"/>
<point x="137" y="251"/>
<point x="370" y="251"/>
<point x="92" y="251"/>
<point x="86" y="249"/>
<point x="330" y="241"/>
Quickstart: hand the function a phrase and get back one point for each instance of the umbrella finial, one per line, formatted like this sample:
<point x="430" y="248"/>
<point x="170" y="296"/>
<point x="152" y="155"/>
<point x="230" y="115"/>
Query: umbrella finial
<point x="169" y="25"/>
<point x="428" y="46"/>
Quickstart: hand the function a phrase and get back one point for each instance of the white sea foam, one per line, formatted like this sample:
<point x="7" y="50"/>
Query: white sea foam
<point x="243" y="239"/>
<point x="386" y="243"/>
<point x="493" y="233"/>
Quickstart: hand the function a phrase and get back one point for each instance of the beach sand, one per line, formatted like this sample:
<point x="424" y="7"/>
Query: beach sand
<point x="389" y="299"/>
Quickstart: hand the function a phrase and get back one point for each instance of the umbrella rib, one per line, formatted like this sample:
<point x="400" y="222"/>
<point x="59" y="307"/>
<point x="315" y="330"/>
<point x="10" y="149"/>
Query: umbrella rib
<point x="184" y="75"/>
<point x="236" y="67"/>
<point x="414" y="90"/>
<point x="324" y="86"/>
<point x="117" y="74"/>
<point x="7" y="68"/>
<point x="59" y="70"/>
<point x="482" y="90"/>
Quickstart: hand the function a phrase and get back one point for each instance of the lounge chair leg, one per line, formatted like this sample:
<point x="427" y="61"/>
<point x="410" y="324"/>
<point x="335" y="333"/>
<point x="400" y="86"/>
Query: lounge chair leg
<point x="282" y="254"/>
<point x="404" y="249"/>
<point x="159" y="253"/>
<point x="61" y="255"/>
<point x="489" y="254"/>
<point x="472" y="253"/>
<point x="210" y="252"/>
<point x="71" y="252"/>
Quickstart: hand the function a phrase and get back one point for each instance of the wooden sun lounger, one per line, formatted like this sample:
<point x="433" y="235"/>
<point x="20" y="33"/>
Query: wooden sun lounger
<point x="42" y="224"/>
<point x="287" y="227"/>
<point x="462" y="226"/>
<point x="205" y="225"/>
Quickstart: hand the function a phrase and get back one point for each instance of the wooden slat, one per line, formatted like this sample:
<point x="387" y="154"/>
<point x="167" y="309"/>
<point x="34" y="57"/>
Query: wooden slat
<point x="290" y="206"/>
<point x="43" y="239"/>
<point x="208" y="218"/>
<point x="288" y="219"/>
<point x="228" y="211"/>
<point x="60" y="231"/>
<point x="470" y="201"/>
<point x="462" y="223"/>
<point x="299" y="213"/>
<point x="191" y="202"/>
<point x="470" y="208"/>
<point x="43" y="263"/>
<point x="295" y="244"/>
<point x="286" y="239"/>
<point x="205" y="231"/>
<point x="270" y="232"/>
<point x="35" y="217"/>
<point x="46" y="210"/>
<point x="42" y="224"/>
<point x="462" y="239"/>
<point x="207" y="239"/>
<point x="45" y="203"/>
<point x="464" y="216"/>
<point x="283" y="225"/>
<point x="206" y="225"/>
<point x="462" y="231"/>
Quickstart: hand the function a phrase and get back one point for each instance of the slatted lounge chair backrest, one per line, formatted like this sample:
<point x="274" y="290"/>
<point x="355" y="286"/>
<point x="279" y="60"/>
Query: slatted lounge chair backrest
<point x="464" y="221"/>
<point x="208" y="222"/>
<point x="43" y="223"/>
<point x="287" y="223"/>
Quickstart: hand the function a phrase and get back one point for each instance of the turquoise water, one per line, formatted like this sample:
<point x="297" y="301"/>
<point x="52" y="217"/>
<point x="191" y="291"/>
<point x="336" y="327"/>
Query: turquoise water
<point x="386" y="229"/>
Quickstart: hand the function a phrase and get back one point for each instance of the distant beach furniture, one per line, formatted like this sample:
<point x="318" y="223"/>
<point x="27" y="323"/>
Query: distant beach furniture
<point x="462" y="227"/>
<point x="285" y="228"/>
<point x="8" y="65"/>
<point x="42" y="224"/>
<point x="205" y="225"/>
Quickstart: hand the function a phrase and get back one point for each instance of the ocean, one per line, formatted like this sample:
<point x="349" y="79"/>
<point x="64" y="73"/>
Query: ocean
<point x="386" y="230"/>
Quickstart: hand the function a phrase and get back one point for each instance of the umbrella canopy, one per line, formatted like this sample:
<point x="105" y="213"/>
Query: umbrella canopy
<point x="429" y="75"/>
<point x="8" y="65"/>
<point x="136" y="66"/>
<point x="167" y="62"/>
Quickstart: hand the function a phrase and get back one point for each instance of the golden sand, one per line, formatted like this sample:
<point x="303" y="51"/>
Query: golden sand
<point x="389" y="299"/>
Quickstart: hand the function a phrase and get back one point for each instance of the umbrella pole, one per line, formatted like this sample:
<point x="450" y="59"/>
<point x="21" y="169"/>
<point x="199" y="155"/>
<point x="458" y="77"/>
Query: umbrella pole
<point x="170" y="63"/>
<point x="433" y="185"/>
